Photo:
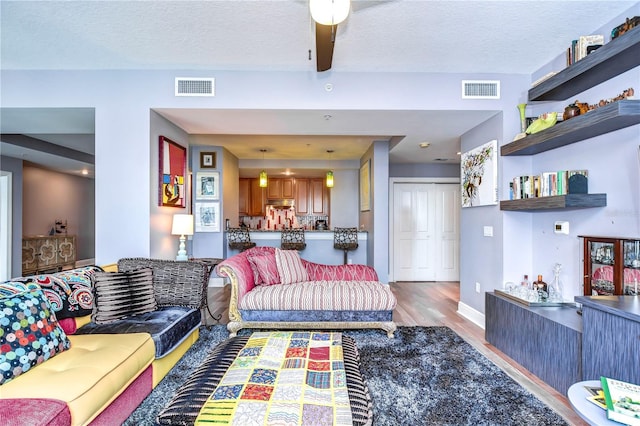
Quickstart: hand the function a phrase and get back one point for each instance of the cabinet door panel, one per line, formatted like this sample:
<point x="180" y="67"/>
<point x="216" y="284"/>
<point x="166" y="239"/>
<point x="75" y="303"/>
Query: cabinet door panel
<point x="287" y="188"/>
<point x="244" y="197"/>
<point x="257" y="199"/>
<point x="274" y="189"/>
<point x="302" y="196"/>
<point x="319" y="197"/>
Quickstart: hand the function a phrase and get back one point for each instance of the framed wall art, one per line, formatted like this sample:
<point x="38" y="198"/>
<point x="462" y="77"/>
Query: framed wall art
<point x="207" y="160"/>
<point x="479" y="175"/>
<point x="207" y="185"/>
<point x="173" y="174"/>
<point x="207" y="217"/>
<point x="365" y="187"/>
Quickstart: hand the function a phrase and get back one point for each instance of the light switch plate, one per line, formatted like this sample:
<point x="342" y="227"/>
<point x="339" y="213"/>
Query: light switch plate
<point x="488" y="231"/>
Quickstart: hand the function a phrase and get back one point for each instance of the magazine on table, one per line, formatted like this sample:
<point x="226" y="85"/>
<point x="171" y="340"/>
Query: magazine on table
<point x="623" y="401"/>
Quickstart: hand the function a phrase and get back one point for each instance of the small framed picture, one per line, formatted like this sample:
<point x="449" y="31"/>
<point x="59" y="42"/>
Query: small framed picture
<point x="207" y="160"/>
<point x="207" y="217"/>
<point x="207" y="185"/>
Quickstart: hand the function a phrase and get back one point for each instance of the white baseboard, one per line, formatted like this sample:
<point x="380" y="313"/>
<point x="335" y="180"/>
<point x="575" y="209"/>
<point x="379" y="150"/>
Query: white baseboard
<point x="471" y="314"/>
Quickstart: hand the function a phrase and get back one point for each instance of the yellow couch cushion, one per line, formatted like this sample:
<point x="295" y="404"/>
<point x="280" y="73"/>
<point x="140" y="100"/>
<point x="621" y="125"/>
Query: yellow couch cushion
<point x="88" y="376"/>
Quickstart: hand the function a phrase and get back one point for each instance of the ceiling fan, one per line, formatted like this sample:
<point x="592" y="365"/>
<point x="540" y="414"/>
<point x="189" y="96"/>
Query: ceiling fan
<point x="327" y="14"/>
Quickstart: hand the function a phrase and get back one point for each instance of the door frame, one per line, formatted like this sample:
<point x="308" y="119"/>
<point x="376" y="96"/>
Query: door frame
<point x="392" y="182"/>
<point x="6" y="223"/>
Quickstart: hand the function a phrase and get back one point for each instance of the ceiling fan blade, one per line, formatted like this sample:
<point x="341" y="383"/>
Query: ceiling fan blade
<point x="325" y="40"/>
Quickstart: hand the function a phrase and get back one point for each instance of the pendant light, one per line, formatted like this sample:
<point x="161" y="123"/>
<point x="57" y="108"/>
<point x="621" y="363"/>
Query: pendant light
<point x="263" y="174"/>
<point x="329" y="179"/>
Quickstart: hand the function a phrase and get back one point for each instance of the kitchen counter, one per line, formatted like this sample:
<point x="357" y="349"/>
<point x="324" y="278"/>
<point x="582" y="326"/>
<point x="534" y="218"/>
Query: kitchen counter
<point x="319" y="246"/>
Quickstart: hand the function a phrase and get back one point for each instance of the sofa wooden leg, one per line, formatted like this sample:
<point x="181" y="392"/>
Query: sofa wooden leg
<point x="234" y="327"/>
<point x="390" y="328"/>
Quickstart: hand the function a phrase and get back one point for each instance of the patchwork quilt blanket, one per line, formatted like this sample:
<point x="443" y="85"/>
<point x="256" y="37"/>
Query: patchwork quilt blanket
<point x="295" y="378"/>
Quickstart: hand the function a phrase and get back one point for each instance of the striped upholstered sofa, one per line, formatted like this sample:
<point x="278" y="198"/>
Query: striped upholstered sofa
<point x="276" y="289"/>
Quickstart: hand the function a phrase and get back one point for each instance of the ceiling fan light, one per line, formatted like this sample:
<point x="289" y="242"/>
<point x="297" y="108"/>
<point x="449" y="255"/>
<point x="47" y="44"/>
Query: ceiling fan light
<point x="263" y="179"/>
<point x="330" y="179"/>
<point x="329" y="12"/>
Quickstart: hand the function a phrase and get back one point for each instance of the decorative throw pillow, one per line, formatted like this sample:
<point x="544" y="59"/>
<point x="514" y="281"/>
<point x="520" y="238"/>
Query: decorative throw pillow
<point x="264" y="269"/>
<point x="290" y="267"/>
<point x="68" y="292"/>
<point x="122" y="294"/>
<point x="29" y="333"/>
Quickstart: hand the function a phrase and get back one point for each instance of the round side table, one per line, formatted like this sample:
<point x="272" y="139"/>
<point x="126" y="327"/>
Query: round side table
<point x="589" y="411"/>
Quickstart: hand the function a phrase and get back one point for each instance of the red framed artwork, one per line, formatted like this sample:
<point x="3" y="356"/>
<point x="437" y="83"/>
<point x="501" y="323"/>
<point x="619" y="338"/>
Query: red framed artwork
<point x="173" y="174"/>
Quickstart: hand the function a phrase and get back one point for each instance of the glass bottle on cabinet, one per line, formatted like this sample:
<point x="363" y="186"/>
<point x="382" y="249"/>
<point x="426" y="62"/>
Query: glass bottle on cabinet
<point x="611" y="266"/>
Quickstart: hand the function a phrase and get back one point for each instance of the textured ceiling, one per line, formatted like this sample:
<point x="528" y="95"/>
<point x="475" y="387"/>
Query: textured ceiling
<point x="378" y="36"/>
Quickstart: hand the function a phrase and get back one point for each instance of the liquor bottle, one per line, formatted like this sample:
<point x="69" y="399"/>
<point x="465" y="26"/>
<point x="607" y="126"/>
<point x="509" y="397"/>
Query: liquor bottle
<point x="541" y="286"/>
<point x="525" y="282"/>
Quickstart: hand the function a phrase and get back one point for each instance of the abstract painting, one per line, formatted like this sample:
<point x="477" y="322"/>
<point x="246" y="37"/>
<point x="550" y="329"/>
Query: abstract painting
<point x="479" y="175"/>
<point x="173" y="172"/>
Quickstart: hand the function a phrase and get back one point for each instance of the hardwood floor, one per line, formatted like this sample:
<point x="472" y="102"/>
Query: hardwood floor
<point x="435" y="304"/>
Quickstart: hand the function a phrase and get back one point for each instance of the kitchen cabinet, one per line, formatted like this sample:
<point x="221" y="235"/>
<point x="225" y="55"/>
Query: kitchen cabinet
<point x="50" y="253"/>
<point x="610" y="60"/>
<point x="611" y="266"/>
<point x="251" y="198"/>
<point x="311" y="197"/>
<point x="280" y="188"/>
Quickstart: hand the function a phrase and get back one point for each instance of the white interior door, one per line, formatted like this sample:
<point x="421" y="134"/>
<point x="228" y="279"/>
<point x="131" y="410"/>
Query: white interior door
<point x="448" y="232"/>
<point x="426" y="232"/>
<point x="413" y="229"/>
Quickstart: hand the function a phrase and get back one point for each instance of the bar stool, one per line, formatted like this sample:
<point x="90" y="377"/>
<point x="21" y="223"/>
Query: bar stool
<point x="292" y="239"/>
<point x="345" y="239"/>
<point x="239" y="239"/>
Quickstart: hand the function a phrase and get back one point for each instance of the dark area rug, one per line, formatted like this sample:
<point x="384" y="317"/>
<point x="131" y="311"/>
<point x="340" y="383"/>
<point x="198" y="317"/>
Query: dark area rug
<point x="425" y="376"/>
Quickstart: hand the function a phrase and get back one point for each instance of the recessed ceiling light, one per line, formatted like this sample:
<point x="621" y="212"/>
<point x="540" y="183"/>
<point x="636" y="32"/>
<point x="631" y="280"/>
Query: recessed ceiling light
<point x="424" y="145"/>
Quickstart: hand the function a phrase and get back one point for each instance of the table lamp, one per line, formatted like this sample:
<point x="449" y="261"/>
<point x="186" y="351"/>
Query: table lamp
<point x="182" y="225"/>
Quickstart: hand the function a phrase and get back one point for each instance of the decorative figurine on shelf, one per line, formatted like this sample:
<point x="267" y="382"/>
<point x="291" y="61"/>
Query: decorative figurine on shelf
<point x="61" y="226"/>
<point x="543" y="122"/>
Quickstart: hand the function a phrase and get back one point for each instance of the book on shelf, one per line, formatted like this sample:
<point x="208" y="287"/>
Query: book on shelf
<point x="583" y="46"/>
<point x="623" y="401"/>
<point x="547" y="184"/>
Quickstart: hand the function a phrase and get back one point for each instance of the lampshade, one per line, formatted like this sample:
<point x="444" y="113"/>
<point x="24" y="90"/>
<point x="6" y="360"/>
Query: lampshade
<point x="329" y="12"/>
<point x="182" y="224"/>
<point x="263" y="179"/>
<point x="330" y="179"/>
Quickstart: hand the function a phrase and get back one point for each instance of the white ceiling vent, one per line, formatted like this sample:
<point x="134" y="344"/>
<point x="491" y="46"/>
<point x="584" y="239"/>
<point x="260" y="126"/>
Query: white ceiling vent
<point x="195" y="86"/>
<point x="480" y="89"/>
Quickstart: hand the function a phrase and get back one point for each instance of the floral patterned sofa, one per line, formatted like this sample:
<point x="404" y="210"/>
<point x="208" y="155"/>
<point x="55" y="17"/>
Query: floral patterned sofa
<point x="276" y="289"/>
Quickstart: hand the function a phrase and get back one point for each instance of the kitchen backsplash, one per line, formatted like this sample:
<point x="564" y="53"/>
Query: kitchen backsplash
<point x="277" y="219"/>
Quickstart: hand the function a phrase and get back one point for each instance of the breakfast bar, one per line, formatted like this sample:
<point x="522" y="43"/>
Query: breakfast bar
<point x="319" y="246"/>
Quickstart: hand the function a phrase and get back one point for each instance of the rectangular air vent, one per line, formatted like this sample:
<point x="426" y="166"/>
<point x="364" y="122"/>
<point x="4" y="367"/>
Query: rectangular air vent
<point x="195" y="86"/>
<point x="480" y="89"/>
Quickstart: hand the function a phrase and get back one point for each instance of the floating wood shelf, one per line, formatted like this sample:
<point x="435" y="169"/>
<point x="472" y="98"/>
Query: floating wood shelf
<point x="555" y="202"/>
<point x="599" y="121"/>
<point x="612" y="59"/>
